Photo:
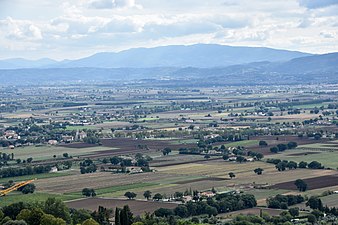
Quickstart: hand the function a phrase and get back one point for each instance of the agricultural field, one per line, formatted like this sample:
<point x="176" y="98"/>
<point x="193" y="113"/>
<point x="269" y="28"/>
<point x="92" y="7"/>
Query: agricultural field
<point x="177" y="137"/>
<point x="138" y="207"/>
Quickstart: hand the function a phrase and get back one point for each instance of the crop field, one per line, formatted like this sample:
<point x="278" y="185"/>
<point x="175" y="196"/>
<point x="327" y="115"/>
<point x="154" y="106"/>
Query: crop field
<point x="133" y="144"/>
<point x="137" y="207"/>
<point x="39" y="176"/>
<point x="217" y="168"/>
<point x="330" y="200"/>
<point x="326" y="158"/>
<point x="254" y="211"/>
<point x="313" y="183"/>
<point x="126" y="120"/>
<point x="47" y="152"/>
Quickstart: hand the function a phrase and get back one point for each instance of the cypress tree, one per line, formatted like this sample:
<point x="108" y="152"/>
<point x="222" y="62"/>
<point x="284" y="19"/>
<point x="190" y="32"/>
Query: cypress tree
<point x="117" y="216"/>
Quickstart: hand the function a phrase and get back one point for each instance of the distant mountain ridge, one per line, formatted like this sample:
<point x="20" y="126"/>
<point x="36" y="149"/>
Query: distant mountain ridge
<point x="199" y="56"/>
<point x="195" y="64"/>
<point x="310" y="69"/>
<point x="20" y="63"/>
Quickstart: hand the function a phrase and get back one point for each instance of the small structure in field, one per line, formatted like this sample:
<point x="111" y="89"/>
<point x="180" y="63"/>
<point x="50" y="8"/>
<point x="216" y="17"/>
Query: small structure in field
<point x="52" y="142"/>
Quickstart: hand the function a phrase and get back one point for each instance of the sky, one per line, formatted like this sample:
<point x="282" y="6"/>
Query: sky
<point x="71" y="29"/>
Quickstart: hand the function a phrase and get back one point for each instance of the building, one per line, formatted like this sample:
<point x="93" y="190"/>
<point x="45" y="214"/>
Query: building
<point x="68" y="139"/>
<point x="52" y="142"/>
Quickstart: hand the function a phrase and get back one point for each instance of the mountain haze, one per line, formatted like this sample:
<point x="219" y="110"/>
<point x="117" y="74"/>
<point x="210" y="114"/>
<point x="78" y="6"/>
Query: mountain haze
<point x="199" y="56"/>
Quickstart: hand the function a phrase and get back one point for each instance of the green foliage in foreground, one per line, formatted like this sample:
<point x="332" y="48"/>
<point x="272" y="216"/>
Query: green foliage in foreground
<point x="55" y="212"/>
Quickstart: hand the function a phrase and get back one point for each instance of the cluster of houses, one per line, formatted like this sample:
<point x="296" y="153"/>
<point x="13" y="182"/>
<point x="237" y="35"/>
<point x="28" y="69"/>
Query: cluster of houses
<point x="10" y="135"/>
<point x="203" y="194"/>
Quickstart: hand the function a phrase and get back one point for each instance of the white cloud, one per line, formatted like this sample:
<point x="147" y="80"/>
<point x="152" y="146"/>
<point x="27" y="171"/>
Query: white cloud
<point x="80" y="27"/>
<point x="109" y="4"/>
<point x="20" y="30"/>
<point x="313" y="4"/>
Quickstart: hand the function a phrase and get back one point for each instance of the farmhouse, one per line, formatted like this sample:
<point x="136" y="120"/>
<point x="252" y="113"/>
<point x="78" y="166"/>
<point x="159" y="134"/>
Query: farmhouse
<point x="11" y="134"/>
<point x="67" y="139"/>
<point x="52" y="142"/>
<point x="207" y="194"/>
<point x="53" y="169"/>
<point x="134" y="169"/>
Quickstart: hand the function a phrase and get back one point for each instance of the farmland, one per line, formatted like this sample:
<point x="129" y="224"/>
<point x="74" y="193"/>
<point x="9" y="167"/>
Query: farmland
<point x="177" y="141"/>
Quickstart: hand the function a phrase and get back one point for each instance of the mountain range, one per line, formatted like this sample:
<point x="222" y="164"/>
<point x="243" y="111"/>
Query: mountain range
<point x="224" y="64"/>
<point x="199" y="56"/>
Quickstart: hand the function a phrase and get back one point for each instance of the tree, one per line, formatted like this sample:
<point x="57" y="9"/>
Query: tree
<point x="301" y="185"/>
<point x="48" y="219"/>
<point x="274" y="149"/>
<point x="311" y="218"/>
<point x="147" y="194"/>
<point x="281" y="166"/>
<point x="66" y="155"/>
<point x="166" y="151"/>
<point x="225" y="156"/>
<point x="117" y="216"/>
<point x="282" y="147"/>
<point x="262" y="143"/>
<point x="302" y="164"/>
<point x="258" y="171"/>
<point x="294" y="211"/>
<point x="57" y="208"/>
<point x="259" y="156"/>
<point x="126" y="217"/>
<point x="157" y="196"/>
<point x="315" y="165"/>
<point x="79" y="216"/>
<point x="163" y="212"/>
<point x="315" y="203"/>
<point x="181" y="211"/>
<point x="178" y="195"/>
<point x="29" y="160"/>
<point x="240" y="159"/>
<point x="90" y="222"/>
<point x="14" y="222"/>
<point x="115" y="160"/>
<point x="102" y="215"/>
<point x="130" y="195"/>
<point x="211" y="211"/>
<point x="291" y="165"/>
<point x="29" y="188"/>
<point x="231" y="175"/>
<point x="32" y="217"/>
<point x="292" y="145"/>
<point x="88" y="192"/>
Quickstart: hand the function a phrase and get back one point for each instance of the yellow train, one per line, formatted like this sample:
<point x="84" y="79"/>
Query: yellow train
<point x="15" y="187"/>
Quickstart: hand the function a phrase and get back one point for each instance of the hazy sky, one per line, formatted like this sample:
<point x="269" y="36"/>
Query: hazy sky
<point x="76" y="28"/>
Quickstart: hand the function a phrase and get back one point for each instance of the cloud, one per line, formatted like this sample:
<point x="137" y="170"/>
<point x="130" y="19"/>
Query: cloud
<point x="101" y="4"/>
<point x="325" y="34"/>
<point x="109" y="4"/>
<point x="20" y="30"/>
<point x="313" y="4"/>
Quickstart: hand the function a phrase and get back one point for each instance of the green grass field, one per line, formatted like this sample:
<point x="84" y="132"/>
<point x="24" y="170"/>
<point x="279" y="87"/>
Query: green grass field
<point x="327" y="158"/>
<point x="36" y="176"/>
<point x="30" y="198"/>
<point x="262" y="194"/>
<point x="47" y="151"/>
